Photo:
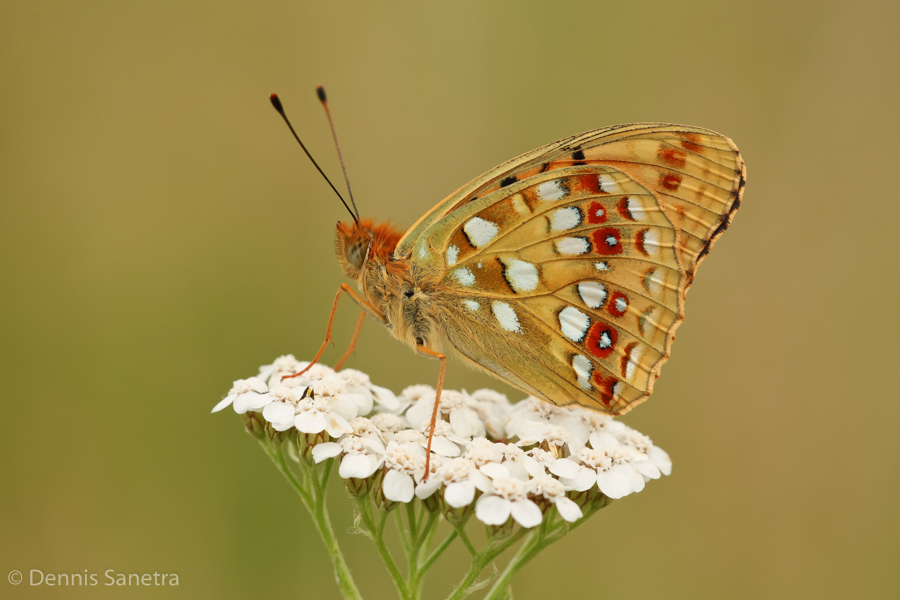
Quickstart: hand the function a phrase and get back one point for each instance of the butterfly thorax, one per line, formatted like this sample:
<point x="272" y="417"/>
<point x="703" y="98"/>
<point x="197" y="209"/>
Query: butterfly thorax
<point x="404" y="297"/>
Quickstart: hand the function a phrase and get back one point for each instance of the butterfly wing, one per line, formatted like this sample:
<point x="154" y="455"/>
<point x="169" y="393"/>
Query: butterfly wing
<point x="564" y="271"/>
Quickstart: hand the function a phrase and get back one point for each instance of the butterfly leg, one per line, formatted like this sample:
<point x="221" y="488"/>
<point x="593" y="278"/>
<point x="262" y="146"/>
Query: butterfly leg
<point x="367" y="309"/>
<point x="352" y="347"/>
<point x="437" y="401"/>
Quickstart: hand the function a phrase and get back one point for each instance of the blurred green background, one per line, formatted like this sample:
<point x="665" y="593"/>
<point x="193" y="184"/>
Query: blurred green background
<point x="161" y="235"/>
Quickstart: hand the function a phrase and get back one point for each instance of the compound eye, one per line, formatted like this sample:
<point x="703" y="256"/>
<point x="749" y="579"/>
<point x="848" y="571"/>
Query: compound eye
<point x="356" y="253"/>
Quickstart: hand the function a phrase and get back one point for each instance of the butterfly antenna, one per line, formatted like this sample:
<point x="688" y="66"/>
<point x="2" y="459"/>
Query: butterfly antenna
<point x="320" y="92"/>
<point x="276" y="102"/>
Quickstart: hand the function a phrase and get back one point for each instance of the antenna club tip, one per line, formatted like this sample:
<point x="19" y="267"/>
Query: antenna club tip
<point x="276" y="102"/>
<point x="320" y="92"/>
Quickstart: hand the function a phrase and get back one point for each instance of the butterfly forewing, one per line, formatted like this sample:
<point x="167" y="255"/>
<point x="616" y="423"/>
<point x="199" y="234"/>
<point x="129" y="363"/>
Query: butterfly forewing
<point x="564" y="270"/>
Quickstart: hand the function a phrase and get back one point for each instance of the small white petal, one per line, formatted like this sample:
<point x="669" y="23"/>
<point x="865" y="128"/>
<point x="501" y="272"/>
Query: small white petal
<point x="533" y="467"/>
<point x="398" y="486"/>
<point x="661" y="459"/>
<point x="617" y="428"/>
<point x="583" y="481"/>
<point x="577" y="429"/>
<point x="310" y="422"/>
<point x="278" y="412"/>
<point x="282" y="426"/>
<point x="442" y="446"/>
<point x="243" y="402"/>
<point x="425" y="490"/>
<point x="516" y="470"/>
<point x="419" y="414"/>
<point x="362" y="404"/>
<point x="563" y="467"/>
<point x="568" y="510"/>
<point x="481" y="481"/>
<point x="648" y="469"/>
<point x="346" y="405"/>
<point x="325" y="451"/>
<point x="257" y="385"/>
<point x="529" y="431"/>
<point x="386" y="398"/>
<point x="575" y="445"/>
<point x="613" y="484"/>
<point x="466" y="423"/>
<point x="227" y="400"/>
<point x="375" y="463"/>
<point x="336" y="425"/>
<point x="493" y="510"/>
<point x="631" y="474"/>
<point x="374" y="444"/>
<point x="638" y="482"/>
<point x="494" y="470"/>
<point x="526" y="513"/>
<point x="354" y="465"/>
<point x="600" y="440"/>
<point x="460" y="493"/>
<point x="257" y="401"/>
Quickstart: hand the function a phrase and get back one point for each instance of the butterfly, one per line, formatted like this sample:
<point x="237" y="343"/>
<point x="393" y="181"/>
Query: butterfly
<point x="562" y="272"/>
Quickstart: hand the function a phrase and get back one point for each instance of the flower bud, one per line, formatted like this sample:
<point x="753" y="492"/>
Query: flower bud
<point x="254" y="424"/>
<point x="455" y="516"/>
<point x="306" y="442"/>
<point x="600" y="500"/>
<point x="501" y="532"/>
<point x="432" y="503"/>
<point x="358" y="487"/>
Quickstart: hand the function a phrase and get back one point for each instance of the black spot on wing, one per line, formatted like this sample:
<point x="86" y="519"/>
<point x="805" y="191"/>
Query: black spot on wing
<point x="502" y="268"/>
<point x="508" y="181"/>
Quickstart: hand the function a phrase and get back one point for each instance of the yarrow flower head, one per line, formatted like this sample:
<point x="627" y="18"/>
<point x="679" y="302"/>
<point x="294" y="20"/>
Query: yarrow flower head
<point x="509" y="465"/>
<point x="550" y="454"/>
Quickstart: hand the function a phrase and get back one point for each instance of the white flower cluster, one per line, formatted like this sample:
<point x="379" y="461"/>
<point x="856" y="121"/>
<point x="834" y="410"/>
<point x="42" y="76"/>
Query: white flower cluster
<point x="511" y="460"/>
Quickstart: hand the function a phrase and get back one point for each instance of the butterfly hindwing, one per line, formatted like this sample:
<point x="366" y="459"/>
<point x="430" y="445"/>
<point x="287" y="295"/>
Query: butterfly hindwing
<point x="564" y="271"/>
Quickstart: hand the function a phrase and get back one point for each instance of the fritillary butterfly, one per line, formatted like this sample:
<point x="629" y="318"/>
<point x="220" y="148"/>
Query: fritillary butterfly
<point x="562" y="272"/>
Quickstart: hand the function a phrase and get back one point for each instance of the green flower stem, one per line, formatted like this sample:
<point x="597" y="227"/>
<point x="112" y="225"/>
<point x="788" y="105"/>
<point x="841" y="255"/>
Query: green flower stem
<point x="326" y="472"/>
<point x="412" y="574"/>
<point x="377" y="535"/>
<point x="417" y="567"/>
<point x="551" y="530"/>
<point x="314" y="500"/>
<point x="483" y="558"/>
<point x="413" y="523"/>
<point x="278" y="458"/>
<point x="437" y="552"/>
<point x="532" y="546"/>
<point x="404" y="531"/>
<point x="426" y="536"/>
<point x="461" y="531"/>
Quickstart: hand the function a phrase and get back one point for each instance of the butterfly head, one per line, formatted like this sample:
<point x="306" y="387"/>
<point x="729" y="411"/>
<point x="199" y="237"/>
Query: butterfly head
<point x="359" y="244"/>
